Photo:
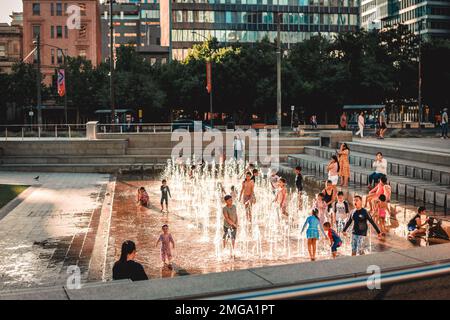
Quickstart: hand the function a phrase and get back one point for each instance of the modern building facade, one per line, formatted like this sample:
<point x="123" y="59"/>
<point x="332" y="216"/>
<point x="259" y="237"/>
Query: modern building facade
<point x="10" y="44"/>
<point x="249" y="21"/>
<point x="59" y="35"/>
<point x="136" y="24"/>
<point x="430" y="18"/>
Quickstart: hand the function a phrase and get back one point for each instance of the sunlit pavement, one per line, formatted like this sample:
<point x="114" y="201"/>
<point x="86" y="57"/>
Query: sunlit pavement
<point x="51" y="229"/>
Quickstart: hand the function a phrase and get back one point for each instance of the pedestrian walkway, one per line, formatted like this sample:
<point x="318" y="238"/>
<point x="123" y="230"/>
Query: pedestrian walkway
<point x="52" y="228"/>
<point x="424" y="144"/>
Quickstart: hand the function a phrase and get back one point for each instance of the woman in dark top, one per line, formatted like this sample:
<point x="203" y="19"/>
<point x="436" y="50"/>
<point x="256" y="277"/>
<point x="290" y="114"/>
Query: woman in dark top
<point x="415" y="225"/>
<point x="126" y="268"/>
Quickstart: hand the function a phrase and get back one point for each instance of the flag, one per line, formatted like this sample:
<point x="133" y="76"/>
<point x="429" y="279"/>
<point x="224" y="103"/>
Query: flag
<point x="61" y="82"/>
<point x="208" y="77"/>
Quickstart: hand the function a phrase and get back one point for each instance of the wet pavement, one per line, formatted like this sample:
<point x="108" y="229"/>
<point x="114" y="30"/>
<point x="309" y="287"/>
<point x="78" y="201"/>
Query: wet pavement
<point x="194" y="254"/>
<point x="52" y="228"/>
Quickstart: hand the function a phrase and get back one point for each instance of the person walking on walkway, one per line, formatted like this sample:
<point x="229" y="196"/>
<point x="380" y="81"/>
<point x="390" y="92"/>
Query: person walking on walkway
<point x="444" y="124"/>
<point x="126" y="267"/>
<point x="361" y="123"/>
<point x="344" y="164"/>
<point x="382" y="122"/>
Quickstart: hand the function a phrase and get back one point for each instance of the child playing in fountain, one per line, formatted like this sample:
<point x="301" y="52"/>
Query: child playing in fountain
<point x="321" y="206"/>
<point x="381" y="208"/>
<point x="299" y="185"/>
<point x="233" y="193"/>
<point x="165" y="193"/>
<point x="281" y="197"/>
<point x="166" y="239"/>
<point x="312" y="233"/>
<point x="274" y="178"/>
<point x="142" y="197"/>
<point x="340" y="212"/>
<point x="230" y="221"/>
<point x="247" y="194"/>
<point x="335" y="240"/>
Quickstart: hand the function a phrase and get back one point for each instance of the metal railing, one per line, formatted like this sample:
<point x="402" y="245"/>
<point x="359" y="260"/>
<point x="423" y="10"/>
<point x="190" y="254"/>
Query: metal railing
<point x="45" y="131"/>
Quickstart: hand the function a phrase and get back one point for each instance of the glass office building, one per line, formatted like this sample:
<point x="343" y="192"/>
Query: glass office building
<point x="136" y="24"/>
<point x="431" y="18"/>
<point x="249" y="21"/>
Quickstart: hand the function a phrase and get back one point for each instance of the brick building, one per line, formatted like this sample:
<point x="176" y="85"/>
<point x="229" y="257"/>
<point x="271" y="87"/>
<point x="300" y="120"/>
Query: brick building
<point x="49" y="19"/>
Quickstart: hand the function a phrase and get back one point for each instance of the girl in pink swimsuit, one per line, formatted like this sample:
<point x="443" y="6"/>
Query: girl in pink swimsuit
<point x="166" y="239"/>
<point x="382" y="208"/>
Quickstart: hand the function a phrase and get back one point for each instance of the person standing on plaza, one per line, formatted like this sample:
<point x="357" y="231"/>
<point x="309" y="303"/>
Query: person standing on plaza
<point x="312" y="233"/>
<point x="444" y="124"/>
<point x="314" y="121"/>
<point x="238" y="146"/>
<point x="344" y="164"/>
<point x="382" y="123"/>
<point x="343" y="121"/>
<point x="126" y="267"/>
<point x="166" y="239"/>
<point x="329" y="194"/>
<point x="361" y="123"/>
<point x="359" y="218"/>
<point x="321" y="206"/>
<point x="380" y="167"/>
<point x="340" y="211"/>
<point x="230" y="222"/>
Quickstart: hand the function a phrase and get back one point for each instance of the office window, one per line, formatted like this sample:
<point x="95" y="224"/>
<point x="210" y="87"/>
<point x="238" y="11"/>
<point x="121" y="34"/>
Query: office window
<point x="52" y="9"/>
<point x="82" y="8"/>
<point x="60" y="56"/>
<point x="82" y="32"/>
<point x="53" y="56"/>
<point x="66" y="32"/>
<point x="2" y="50"/>
<point x="59" y="32"/>
<point x="36" y="9"/>
<point x="36" y="31"/>
<point x="52" y="32"/>
<point x="59" y="9"/>
<point x="82" y="53"/>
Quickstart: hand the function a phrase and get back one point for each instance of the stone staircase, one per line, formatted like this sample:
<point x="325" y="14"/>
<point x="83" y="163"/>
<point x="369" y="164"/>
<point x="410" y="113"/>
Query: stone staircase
<point x="113" y="152"/>
<point x="424" y="182"/>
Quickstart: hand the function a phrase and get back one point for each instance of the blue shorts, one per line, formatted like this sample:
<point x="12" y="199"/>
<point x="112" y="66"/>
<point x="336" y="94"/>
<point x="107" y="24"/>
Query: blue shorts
<point x="411" y="228"/>
<point x="335" y="246"/>
<point x="358" y="243"/>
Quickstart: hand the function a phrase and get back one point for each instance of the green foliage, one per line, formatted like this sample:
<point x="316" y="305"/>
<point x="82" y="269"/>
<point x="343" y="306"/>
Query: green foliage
<point x="319" y="75"/>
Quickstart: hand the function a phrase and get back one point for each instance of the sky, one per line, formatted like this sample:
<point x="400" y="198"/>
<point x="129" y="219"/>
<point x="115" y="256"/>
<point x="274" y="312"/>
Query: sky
<point x="8" y="6"/>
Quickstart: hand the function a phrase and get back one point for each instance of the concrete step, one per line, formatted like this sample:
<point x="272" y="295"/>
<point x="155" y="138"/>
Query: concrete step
<point x="427" y="192"/>
<point x="430" y="156"/>
<point x="41" y="160"/>
<point x="168" y="151"/>
<point x="84" y="168"/>
<point x="63" y="147"/>
<point x="438" y="174"/>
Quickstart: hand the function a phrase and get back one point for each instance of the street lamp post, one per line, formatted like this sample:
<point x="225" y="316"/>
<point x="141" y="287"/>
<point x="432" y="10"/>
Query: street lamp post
<point x="419" y="98"/>
<point x="278" y="72"/>
<point x="38" y="80"/>
<point x="111" y="62"/>
<point x="209" y="75"/>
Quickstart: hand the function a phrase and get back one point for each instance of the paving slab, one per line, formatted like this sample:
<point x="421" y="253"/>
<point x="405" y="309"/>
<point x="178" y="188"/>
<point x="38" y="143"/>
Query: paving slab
<point x="185" y="286"/>
<point x="53" y="293"/>
<point x="433" y="253"/>
<point x="342" y="267"/>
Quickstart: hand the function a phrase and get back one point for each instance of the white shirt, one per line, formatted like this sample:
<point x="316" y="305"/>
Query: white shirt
<point x="380" y="166"/>
<point x="238" y="144"/>
<point x="361" y="121"/>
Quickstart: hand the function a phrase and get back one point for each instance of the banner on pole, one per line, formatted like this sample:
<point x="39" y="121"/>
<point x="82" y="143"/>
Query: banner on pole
<point x="61" y="82"/>
<point x="208" y="77"/>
